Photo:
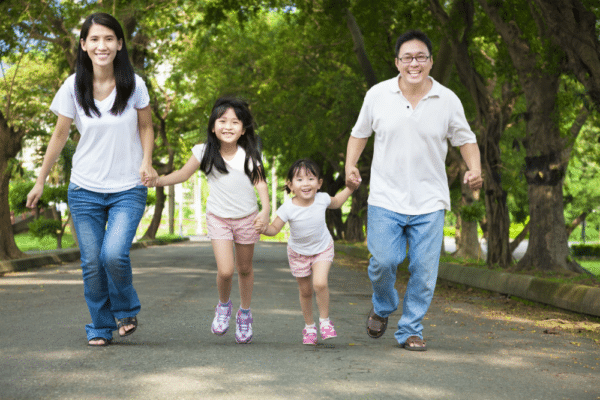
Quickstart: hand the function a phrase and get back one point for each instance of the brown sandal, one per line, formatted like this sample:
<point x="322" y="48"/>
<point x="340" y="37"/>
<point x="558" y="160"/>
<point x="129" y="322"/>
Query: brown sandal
<point x="376" y="325"/>
<point x="414" y="343"/>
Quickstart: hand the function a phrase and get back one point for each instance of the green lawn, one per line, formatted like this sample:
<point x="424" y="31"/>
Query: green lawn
<point x="591" y="265"/>
<point x="26" y="242"/>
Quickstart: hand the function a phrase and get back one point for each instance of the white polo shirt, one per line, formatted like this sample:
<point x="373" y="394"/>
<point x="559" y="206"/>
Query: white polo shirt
<point x="408" y="173"/>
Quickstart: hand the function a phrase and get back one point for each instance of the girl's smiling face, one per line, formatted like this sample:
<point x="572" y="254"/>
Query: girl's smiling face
<point x="101" y="45"/>
<point x="228" y="128"/>
<point x="305" y="185"/>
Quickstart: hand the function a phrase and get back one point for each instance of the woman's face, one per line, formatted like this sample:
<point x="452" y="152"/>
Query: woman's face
<point x="101" y="45"/>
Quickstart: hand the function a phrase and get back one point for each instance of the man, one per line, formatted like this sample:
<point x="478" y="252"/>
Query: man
<point x="413" y="117"/>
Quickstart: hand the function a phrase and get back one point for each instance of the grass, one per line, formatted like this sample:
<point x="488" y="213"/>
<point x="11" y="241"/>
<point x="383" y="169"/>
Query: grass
<point x="27" y="242"/>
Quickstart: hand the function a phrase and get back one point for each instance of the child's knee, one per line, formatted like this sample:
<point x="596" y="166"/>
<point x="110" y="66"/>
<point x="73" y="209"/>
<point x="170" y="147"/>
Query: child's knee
<point x="320" y="286"/>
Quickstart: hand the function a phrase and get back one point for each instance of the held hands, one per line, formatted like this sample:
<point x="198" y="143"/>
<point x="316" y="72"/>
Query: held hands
<point x="148" y="175"/>
<point x="353" y="178"/>
<point x="261" y="222"/>
<point x="473" y="179"/>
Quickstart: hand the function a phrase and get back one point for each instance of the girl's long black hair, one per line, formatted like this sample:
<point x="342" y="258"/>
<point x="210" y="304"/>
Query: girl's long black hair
<point x="249" y="141"/>
<point x="84" y="76"/>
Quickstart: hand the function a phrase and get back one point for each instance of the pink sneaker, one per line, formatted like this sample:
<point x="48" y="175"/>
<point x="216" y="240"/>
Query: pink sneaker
<point x="243" y="327"/>
<point x="309" y="335"/>
<point x="327" y="330"/>
<point x="220" y="324"/>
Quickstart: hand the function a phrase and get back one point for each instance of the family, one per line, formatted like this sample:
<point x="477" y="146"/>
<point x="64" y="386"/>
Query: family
<point x="413" y="118"/>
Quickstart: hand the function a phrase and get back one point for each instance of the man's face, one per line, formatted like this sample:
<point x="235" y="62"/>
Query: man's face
<point x="414" y="72"/>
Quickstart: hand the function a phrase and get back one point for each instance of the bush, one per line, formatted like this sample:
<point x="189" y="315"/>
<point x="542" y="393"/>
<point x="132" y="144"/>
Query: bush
<point x="43" y="226"/>
<point x="585" y="250"/>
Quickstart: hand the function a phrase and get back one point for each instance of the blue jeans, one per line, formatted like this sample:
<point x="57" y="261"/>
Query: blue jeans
<point x="105" y="224"/>
<point x="387" y="235"/>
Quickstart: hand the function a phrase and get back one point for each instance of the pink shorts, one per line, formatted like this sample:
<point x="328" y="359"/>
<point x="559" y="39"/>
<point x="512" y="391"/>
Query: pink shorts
<point x="240" y="230"/>
<point x="301" y="265"/>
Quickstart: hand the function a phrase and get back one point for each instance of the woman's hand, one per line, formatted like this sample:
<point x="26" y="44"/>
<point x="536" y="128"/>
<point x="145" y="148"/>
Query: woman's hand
<point x="35" y="195"/>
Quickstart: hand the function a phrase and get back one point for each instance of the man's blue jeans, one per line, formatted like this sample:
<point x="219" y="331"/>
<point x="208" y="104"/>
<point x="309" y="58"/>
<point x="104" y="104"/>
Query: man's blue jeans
<point x="105" y="224"/>
<point x="387" y="236"/>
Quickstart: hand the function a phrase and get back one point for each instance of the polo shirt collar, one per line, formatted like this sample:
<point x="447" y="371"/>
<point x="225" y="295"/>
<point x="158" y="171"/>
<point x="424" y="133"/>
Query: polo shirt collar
<point x="435" y="91"/>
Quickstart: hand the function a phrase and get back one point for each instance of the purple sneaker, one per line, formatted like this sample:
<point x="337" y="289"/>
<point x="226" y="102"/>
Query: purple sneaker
<point x="220" y="324"/>
<point x="327" y="330"/>
<point x="243" y="327"/>
<point x="309" y="335"/>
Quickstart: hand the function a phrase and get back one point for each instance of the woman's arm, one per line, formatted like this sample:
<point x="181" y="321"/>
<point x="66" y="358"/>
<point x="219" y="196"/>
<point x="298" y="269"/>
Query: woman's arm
<point x="55" y="146"/>
<point x="147" y="172"/>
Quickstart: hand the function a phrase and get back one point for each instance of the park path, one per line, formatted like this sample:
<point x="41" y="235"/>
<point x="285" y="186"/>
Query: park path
<point x="173" y="355"/>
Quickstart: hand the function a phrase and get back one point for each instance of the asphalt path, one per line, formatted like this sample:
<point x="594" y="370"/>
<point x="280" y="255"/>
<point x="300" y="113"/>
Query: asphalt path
<point x="173" y="354"/>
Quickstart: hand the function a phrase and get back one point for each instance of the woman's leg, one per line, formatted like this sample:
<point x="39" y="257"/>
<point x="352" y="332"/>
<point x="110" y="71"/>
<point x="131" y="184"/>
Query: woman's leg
<point x="125" y="210"/>
<point x="320" y="283"/>
<point x="306" y="298"/>
<point x="89" y="218"/>
<point x="243" y="260"/>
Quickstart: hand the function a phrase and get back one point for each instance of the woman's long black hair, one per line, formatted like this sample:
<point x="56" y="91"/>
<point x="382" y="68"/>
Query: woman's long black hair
<point x="248" y="141"/>
<point x="84" y="76"/>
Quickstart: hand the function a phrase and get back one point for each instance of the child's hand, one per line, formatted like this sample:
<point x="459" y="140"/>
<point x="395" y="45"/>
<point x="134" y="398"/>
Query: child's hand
<point x="261" y="222"/>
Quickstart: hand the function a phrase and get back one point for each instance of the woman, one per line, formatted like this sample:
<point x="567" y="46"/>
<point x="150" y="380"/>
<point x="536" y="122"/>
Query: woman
<point x="110" y="107"/>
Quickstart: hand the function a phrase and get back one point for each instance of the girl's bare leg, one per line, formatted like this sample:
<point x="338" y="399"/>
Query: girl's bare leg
<point x="320" y="279"/>
<point x="223" y="250"/>
<point x="243" y="259"/>
<point x="306" y="298"/>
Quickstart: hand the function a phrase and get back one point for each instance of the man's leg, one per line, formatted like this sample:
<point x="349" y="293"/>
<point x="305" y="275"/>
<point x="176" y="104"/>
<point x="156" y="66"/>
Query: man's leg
<point x="425" y="234"/>
<point x="387" y="244"/>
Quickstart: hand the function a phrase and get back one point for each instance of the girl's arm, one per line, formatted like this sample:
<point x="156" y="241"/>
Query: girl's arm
<point x="274" y="228"/>
<point x="181" y="175"/>
<point x="341" y="197"/>
<point x="262" y="219"/>
<point x="55" y="146"/>
<point x="147" y="172"/>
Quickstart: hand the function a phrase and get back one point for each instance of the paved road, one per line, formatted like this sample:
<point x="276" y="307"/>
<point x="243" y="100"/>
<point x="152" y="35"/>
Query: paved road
<point x="173" y="355"/>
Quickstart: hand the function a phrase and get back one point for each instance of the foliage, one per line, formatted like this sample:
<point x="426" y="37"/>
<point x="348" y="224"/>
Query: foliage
<point x="18" y="196"/>
<point x="45" y="227"/>
<point x="585" y="250"/>
<point x="27" y="242"/>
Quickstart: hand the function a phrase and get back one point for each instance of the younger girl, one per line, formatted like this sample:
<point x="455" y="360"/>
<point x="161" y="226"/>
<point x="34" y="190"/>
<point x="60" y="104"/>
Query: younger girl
<point x="231" y="161"/>
<point x="310" y="247"/>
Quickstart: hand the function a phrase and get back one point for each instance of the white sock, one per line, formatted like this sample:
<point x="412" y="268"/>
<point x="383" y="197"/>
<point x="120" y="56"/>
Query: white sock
<point x="321" y="320"/>
<point x="313" y="326"/>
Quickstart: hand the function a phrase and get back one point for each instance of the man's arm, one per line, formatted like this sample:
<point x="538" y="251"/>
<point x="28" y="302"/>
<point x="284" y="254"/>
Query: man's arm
<point x="470" y="153"/>
<point x="353" y="152"/>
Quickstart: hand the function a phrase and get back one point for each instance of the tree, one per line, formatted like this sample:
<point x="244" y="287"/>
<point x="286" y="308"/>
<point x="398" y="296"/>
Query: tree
<point x="538" y="66"/>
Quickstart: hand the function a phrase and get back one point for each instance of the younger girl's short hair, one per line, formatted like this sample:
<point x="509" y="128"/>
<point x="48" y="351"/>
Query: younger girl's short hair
<point x="248" y="141"/>
<point x="305" y="164"/>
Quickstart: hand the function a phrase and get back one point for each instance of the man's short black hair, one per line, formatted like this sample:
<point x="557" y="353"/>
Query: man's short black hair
<point x="413" y="34"/>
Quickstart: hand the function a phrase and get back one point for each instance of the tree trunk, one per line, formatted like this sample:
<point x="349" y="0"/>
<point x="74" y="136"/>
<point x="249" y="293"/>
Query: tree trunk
<point x="171" y="200"/>
<point x="8" y="247"/>
<point x="357" y="218"/>
<point x="492" y="116"/>
<point x="467" y="242"/>
<point x="156" y="218"/>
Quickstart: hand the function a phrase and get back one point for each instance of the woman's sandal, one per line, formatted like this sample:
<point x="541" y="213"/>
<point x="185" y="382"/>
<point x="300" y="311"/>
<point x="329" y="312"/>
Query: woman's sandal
<point x="414" y="343"/>
<point x="105" y="342"/>
<point x="125" y="322"/>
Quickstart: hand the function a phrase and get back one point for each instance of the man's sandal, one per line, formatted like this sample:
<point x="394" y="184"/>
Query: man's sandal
<point x="125" y="322"/>
<point x="376" y="325"/>
<point x="105" y="342"/>
<point x="414" y="343"/>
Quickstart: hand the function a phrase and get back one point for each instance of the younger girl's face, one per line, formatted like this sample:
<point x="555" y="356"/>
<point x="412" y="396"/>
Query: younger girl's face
<point x="101" y="45"/>
<point x="228" y="128"/>
<point x="305" y="185"/>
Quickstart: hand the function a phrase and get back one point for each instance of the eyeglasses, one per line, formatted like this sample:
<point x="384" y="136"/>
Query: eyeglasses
<point x="407" y="59"/>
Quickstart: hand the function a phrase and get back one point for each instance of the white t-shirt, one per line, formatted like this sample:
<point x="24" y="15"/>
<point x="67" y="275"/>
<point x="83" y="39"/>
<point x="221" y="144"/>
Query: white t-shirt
<point x="231" y="195"/>
<point x="408" y="173"/>
<point x="308" y="231"/>
<point x="109" y="153"/>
